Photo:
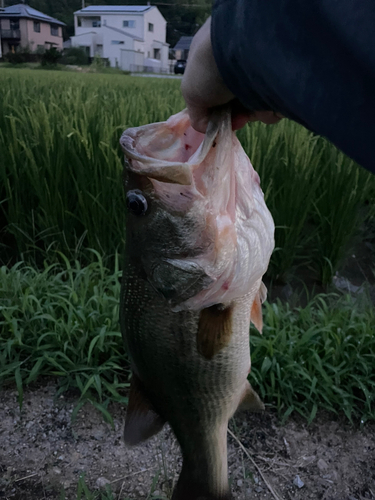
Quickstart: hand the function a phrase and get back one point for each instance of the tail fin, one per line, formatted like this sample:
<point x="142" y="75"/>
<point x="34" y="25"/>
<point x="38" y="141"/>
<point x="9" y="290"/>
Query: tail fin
<point x="204" y="474"/>
<point x="186" y="490"/>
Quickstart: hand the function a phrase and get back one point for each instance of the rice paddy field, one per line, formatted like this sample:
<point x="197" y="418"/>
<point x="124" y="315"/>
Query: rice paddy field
<point x="62" y="233"/>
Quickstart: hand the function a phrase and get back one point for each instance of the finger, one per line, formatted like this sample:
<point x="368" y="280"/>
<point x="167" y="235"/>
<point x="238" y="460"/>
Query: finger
<point x="267" y="117"/>
<point x="239" y="120"/>
<point x="240" y="114"/>
<point x="198" y="118"/>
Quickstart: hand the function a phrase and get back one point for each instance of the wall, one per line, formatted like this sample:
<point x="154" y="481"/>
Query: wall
<point x="116" y="21"/>
<point x="87" y="22"/>
<point x="153" y="16"/>
<point x="44" y="38"/>
<point x="113" y="20"/>
<point x="89" y="39"/>
<point x="31" y="39"/>
<point x="131" y="60"/>
<point x="155" y="39"/>
<point x="5" y="24"/>
<point x="111" y="51"/>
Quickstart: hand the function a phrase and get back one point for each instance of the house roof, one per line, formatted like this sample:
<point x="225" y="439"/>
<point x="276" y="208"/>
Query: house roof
<point x="91" y="9"/>
<point x="23" y="10"/>
<point x="184" y="43"/>
<point x="124" y="33"/>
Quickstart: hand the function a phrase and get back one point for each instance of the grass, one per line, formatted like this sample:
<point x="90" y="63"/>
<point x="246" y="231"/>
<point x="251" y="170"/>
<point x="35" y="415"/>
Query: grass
<point x="321" y="356"/>
<point x="84" y="493"/>
<point x="61" y="168"/>
<point x="62" y="226"/>
<point x="63" y="322"/>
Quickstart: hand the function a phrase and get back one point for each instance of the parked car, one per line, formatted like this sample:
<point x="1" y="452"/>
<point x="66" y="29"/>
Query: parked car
<point x="180" y="66"/>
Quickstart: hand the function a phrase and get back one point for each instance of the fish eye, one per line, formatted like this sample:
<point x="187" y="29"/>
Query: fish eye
<point x="136" y="202"/>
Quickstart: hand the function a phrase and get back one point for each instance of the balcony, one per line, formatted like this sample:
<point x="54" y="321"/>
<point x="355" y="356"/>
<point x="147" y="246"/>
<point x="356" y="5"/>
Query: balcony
<point x="10" y="34"/>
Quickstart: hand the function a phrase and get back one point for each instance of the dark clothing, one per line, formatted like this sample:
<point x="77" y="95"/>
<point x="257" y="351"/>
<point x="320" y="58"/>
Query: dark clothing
<point x="311" y="60"/>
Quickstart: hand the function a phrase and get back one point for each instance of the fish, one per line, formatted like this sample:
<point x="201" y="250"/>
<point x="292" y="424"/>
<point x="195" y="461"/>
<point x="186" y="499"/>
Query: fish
<point x="199" y="238"/>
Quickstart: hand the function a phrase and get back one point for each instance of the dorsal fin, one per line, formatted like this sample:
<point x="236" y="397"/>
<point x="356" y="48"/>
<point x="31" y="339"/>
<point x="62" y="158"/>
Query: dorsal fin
<point x="142" y="421"/>
<point x="250" y="400"/>
<point x="256" y="310"/>
<point x="214" y="330"/>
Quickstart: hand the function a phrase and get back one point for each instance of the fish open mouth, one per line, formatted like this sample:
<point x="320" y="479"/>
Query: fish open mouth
<point x="170" y="151"/>
<point x="207" y="176"/>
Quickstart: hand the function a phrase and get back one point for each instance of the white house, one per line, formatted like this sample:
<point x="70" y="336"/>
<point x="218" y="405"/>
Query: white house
<point x="132" y="37"/>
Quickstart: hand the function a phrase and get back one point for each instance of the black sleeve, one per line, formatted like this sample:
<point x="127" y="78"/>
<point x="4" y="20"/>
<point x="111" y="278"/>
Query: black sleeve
<point x="311" y="60"/>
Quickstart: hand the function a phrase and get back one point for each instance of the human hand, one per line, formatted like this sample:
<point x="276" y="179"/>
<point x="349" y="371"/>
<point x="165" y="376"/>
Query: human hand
<point x="203" y="87"/>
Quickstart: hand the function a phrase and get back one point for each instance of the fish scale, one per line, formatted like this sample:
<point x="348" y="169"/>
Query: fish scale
<point x="189" y="391"/>
<point x="186" y="248"/>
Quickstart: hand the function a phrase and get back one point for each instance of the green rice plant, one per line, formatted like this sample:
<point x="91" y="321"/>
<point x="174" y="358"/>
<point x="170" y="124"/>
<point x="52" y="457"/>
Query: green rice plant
<point x="315" y="193"/>
<point x="338" y="215"/>
<point x="61" y="164"/>
<point x="61" y="172"/>
<point x="318" y="357"/>
<point x="287" y="157"/>
<point x="63" y="322"/>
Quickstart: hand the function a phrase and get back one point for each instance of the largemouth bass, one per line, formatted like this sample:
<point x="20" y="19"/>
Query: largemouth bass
<point x="198" y="240"/>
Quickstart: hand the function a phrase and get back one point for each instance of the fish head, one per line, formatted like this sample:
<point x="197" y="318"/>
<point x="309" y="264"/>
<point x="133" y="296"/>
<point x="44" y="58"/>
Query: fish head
<point x="190" y="197"/>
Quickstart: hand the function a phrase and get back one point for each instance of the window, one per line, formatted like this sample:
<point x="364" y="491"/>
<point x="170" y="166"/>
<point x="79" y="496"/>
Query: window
<point x="157" y="54"/>
<point x="99" y="50"/>
<point x="79" y="21"/>
<point x="14" y="24"/>
<point x="54" y="30"/>
<point x="150" y="27"/>
<point x="96" y="24"/>
<point x="37" y="26"/>
<point x="128" y="24"/>
<point x="117" y="42"/>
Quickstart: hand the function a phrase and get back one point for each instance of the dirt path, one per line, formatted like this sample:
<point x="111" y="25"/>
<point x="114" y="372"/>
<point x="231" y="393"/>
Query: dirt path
<point x="41" y="454"/>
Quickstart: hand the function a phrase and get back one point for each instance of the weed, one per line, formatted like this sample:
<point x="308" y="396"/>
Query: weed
<point x="63" y="322"/>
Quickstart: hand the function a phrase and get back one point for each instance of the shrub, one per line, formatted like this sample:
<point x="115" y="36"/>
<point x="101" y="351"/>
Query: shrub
<point x="75" y="56"/>
<point x="20" y="56"/>
<point x="51" y="57"/>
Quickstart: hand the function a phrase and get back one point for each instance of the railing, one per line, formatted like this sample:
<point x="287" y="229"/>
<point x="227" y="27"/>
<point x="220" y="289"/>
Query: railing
<point x="14" y="34"/>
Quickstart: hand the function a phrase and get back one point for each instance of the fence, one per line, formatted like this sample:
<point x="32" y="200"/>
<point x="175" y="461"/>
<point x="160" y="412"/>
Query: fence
<point x="139" y="68"/>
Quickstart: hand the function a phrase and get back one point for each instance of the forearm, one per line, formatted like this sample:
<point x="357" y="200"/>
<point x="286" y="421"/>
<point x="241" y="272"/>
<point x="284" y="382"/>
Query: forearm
<point x="311" y="61"/>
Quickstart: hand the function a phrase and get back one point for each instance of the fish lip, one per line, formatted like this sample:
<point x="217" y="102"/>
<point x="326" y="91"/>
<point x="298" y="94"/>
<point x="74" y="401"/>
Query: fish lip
<point x="163" y="170"/>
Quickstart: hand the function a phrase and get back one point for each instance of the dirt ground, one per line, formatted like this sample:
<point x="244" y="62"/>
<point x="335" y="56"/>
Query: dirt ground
<point x="43" y="454"/>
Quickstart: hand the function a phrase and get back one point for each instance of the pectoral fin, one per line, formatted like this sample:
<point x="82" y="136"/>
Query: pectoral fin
<point x="256" y="310"/>
<point x="142" y="421"/>
<point x="214" y="330"/>
<point x="178" y="280"/>
<point x="250" y="400"/>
